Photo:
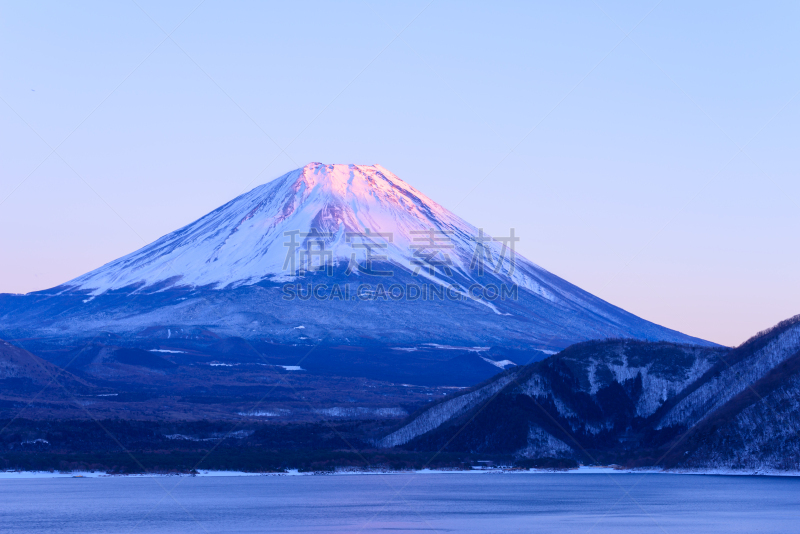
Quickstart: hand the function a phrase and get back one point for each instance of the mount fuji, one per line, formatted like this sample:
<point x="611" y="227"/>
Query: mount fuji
<point x="319" y="266"/>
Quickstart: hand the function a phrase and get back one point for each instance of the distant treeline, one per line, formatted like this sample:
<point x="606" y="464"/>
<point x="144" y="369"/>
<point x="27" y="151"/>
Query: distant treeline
<point x="120" y="446"/>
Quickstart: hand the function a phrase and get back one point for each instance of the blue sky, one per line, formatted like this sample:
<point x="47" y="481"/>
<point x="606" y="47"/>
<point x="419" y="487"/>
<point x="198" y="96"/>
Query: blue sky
<point x="645" y="151"/>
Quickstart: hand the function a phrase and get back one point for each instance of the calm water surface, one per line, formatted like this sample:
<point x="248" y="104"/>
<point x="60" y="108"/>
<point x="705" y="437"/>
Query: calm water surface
<point x="496" y="503"/>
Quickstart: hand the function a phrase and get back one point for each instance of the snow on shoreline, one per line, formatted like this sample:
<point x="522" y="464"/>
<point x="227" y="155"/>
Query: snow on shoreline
<point x="583" y="470"/>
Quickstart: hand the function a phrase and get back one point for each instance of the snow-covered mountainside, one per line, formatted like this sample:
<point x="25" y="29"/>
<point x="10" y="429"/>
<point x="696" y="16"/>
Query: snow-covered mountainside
<point x="349" y="208"/>
<point x="647" y="403"/>
<point x="245" y="241"/>
<point x="245" y="271"/>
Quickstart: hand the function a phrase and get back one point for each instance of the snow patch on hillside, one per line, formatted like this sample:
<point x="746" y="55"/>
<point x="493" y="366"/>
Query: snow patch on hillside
<point x="543" y="445"/>
<point x="502" y="364"/>
<point x="358" y="412"/>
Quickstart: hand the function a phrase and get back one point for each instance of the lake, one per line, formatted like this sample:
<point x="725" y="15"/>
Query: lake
<point x="398" y="503"/>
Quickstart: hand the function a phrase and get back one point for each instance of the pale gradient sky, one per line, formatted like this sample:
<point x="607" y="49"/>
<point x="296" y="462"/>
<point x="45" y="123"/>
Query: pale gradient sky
<point x="658" y="171"/>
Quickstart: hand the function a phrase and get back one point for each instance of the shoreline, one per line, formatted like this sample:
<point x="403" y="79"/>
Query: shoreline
<point x="583" y="470"/>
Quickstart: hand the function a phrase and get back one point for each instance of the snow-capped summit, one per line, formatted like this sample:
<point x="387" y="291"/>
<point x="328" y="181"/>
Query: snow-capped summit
<point x="348" y="207"/>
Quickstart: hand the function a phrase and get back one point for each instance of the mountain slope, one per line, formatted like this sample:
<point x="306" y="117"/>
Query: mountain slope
<point x="21" y="370"/>
<point x="632" y="401"/>
<point x="245" y="271"/>
<point x="593" y="390"/>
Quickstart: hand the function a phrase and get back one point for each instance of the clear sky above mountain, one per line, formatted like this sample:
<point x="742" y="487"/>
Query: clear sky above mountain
<point x="647" y="152"/>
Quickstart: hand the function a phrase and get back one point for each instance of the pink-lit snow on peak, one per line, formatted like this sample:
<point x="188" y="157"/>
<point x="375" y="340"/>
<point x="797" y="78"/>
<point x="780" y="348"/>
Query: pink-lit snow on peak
<point x="362" y="182"/>
<point x="244" y="241"/>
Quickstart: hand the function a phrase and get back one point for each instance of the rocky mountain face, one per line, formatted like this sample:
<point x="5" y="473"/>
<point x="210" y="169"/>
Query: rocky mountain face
<point x="345" y="267"/>
<point x="632" y="402"/>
